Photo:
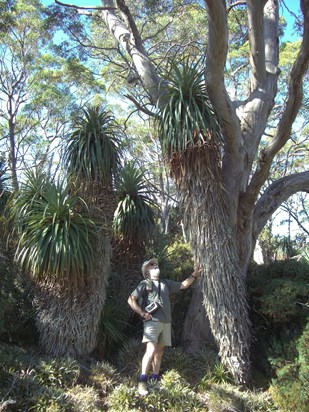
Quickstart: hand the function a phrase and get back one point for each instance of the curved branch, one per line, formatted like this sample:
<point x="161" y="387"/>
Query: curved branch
<point x="140" y="107"/>
<point x="237" y="3"/>
<point x="295" y="95"/>
<point x="277" y="193"/>
<point x="74" y="6"/>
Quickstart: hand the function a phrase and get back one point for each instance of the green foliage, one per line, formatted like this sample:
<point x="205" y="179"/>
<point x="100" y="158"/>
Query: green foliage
<point x="181" y="261"/>
<point x="92" y="150"/>
<point x="84" y="399"/>
<point x="6" y="19"/>
<point x="175" y="395"/>
<point x="205" y="361"/>
<point x="55" y="233"/>
<point x="186" y="115"/>
<point x="37" y="384"/>
<point x="111" y="328"/>
<point x="180" y="265"/>
<point x="130" y="355"/>
<point x="279" y="290"/>
<point x="279" y="301"/>
<point x="49" y="400"/>
<point x="104" y="377"/>
<point x="177" y="359"/>
<point x="226" y="397"/>
<point x="219" y="374"/>
<point x="134" y="218"/>
<point x="61" y="372"/>
<point x="16" y="311"/>
<point x="290" y="388"/>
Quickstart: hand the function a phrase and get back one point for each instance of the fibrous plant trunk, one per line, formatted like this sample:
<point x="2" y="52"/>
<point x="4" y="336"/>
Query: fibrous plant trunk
<point x="68" y="315"/>
<point x="69" y="310"/>
<point x="207" y="221"/>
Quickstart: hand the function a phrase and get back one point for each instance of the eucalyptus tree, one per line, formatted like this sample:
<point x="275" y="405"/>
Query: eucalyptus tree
<point x="221" y="163"/>
<point x="39" y="90"/>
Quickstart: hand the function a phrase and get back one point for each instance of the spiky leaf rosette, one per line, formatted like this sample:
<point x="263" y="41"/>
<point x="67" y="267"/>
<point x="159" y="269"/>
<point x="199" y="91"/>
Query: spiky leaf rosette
<point x="54" y="229"/>
<point x="134" y="217"/>
<point x="93" y="148"/>
<point x="187" y="118"/>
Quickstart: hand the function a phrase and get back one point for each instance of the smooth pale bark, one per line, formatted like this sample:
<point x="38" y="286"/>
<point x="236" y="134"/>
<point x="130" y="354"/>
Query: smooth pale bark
<point x="223" y="242"/>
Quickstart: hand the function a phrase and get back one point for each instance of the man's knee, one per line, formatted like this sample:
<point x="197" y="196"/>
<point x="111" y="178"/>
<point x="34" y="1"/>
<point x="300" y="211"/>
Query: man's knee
<point x="151" y="348"/>
<point x="160" y="350"/>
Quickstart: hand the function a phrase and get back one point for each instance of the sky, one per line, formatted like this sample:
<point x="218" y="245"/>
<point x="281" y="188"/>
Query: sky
<point x="286" y="5"/>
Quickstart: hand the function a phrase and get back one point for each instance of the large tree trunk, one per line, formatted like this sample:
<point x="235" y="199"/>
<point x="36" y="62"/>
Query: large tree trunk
<point x="213" y="240"/>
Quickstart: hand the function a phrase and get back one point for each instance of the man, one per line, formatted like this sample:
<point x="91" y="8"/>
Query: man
<point x="156" y="316"/>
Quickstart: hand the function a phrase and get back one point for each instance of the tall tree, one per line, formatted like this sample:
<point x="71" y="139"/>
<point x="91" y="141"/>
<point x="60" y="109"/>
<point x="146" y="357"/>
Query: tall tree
<point x="19" y="50"/>
<point x="223" y="184"/>
<point x="92" y="157"/>
<point x="38" y="90"/>
<point x="134" y="225"/>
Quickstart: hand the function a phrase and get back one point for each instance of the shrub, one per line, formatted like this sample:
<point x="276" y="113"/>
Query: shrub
<point x="226" y="397"/>
<point x="175" y="395"/>
<point x="16" y="312"/>
<point x="278" y="295"/>
<point x="277" y="289"/>
<point x="290" y="388"/>
<point x="62" y="372"/>
<point x="130" y="356"/>
<point x="177" y="359"/>
<point x="83" y="399"/>
<point x="104" y="377"/>
<point x="204" y="362"/>
<point x="49" y="400"/>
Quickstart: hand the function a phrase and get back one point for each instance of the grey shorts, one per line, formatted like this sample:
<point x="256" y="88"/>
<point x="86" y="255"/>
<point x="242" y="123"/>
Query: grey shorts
<point x="159" y="332"/>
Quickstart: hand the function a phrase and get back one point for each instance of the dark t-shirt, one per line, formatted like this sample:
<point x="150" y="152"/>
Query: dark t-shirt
<point x="168" y="287"/>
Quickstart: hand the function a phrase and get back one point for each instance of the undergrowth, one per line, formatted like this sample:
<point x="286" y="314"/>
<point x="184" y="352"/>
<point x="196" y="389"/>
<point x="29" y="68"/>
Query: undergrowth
<point x="32" y="382"/>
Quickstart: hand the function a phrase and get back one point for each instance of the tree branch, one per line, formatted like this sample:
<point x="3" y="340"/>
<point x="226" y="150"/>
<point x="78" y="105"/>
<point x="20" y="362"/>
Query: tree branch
<point x="277" y="193"/>
<point x="295" y="217"/>
<point x="132" y="43"/>
<point x="256" y="42"/>
<point x="140" y="107"/>
<point x="294" y="100"/>
<point x="85" y="7"/>
<point x="237" y="3"/>
<point x="215" y="65"/>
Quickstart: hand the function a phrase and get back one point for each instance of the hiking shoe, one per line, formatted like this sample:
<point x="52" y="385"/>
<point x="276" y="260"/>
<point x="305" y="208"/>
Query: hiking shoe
<point x="142" y="388"/>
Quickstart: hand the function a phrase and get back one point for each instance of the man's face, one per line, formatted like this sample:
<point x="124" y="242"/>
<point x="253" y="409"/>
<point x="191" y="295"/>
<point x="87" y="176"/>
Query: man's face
<point x="154" y="270"/>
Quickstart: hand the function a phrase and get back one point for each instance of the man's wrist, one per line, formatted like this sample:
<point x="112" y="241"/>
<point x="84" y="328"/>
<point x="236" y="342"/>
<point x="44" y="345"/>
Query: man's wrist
<point x="194" y="277"/>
